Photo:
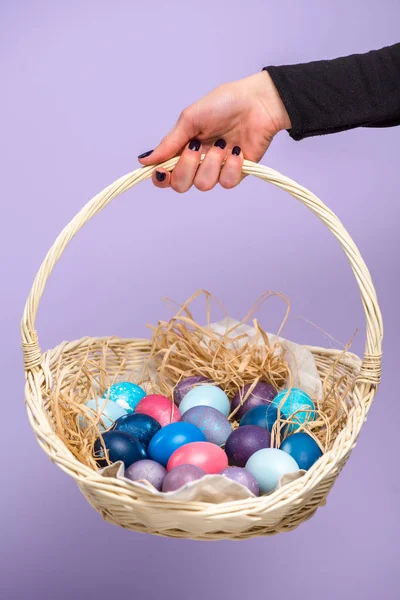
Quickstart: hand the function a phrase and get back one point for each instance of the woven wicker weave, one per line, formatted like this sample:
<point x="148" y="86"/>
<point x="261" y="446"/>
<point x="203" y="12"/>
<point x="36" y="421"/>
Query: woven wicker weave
<point x="122" y="505"/>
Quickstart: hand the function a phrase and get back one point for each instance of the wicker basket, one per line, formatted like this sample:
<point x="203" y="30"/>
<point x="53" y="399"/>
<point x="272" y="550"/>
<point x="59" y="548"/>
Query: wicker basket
<point x="139" y="510"/>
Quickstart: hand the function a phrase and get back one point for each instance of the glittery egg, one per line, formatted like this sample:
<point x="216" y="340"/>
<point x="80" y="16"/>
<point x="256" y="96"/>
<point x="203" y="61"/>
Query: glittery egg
<point x="119" y="446"/>
<point x="126" y="394"/>
<point x="268" y="466"/>
<point x="262" y="394"/>
<point x="180" y="476"/>
<point x="244" y="441"/>
<point x="108" y="411"/>
<point x="303" y="448"/>
<point x="160" y="408"/>
<point x="211" y="422"/>
<point x="147" y="470"/>
<point x="205" y="455"/>
<point x="170" y="438"/>
<point x="291" y="404"/>
<point x="206" y="395"/>
<point x="185" y="385"/>
<point x="142" y="427"/>
<point x="243" y="477"/>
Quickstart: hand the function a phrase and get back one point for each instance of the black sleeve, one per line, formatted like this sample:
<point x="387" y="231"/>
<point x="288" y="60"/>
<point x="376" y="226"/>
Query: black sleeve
<point x="362" y="90"/>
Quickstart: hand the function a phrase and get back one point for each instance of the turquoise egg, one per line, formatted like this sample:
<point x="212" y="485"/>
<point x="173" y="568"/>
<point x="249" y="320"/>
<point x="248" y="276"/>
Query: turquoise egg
<point x="126" y="394"/>
<point x="268" y="465"/>
<point x="297" y="405"/>
<point x="206" y="395"/>
<point x="171" y="437"/>
<point x="109" y="411"/>
<point x="303" y="448"/>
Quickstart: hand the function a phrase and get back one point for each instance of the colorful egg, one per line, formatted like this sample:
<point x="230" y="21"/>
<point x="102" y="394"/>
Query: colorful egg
<point x="243" y="477"/>
<point x="126" y="394"/>
<point x="184" y="386"/>
<point x="161" y="408"/>
<point x="262" y="394"/>
<point x="205" y="455"/>
<point x="303" y="448"/>
<point x="244" y="441"/>
<point x="268" y="466"/>
<point x="119" y="446"/>
<point x="147" y="470"/>
<point x="108" y="410"/>
<point x="142" y="427"/>
<point x="206" y="395"/>
<point x="211" y="422"/>
<point x="255" y="416"/>
<point x="170" y="438"/>
<point x="180" y="476"/>
<point x="298" y="406"/>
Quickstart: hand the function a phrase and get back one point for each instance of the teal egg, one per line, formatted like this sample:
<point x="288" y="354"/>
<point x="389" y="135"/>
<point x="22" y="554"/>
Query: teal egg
<point x="206" y="395"/>
<point x="126" y="394"/>
<point x="255" y="416"/>
<point x="303" y="448"/>
<point x="268" y="465"/>
<point x="298" y="406"/>
<point x="109" y="411"/>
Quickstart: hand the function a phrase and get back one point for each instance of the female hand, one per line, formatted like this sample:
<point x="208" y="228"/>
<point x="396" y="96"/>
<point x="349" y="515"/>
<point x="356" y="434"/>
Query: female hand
<point x="236" y="120"/>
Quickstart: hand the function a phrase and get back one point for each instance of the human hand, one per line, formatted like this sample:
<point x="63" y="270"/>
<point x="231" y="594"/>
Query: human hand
<point x="235" y="120"/>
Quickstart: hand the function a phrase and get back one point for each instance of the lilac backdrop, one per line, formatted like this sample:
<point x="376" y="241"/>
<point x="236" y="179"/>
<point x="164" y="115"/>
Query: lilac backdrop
<point x="85" y="87"/>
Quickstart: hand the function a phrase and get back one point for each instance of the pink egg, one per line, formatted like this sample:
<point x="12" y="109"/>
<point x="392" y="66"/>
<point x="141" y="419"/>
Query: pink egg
<point x="160" y="408"/>
<point x="209" y="457"/>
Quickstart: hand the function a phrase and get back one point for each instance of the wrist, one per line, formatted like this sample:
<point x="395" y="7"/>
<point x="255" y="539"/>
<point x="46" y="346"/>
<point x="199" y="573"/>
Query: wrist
<point x="272" y="102"/>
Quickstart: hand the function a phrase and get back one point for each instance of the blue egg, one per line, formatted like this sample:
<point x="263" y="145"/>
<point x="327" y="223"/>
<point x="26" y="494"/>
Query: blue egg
<point x="303" y="448"/>
<point x="211" y="422"/>
<point x="141" y="426"/>
<point x="119" y="445"/>
<point x="108" y="411"/>
<point x="206" y="395"/>
<point x="298" y="406"/>
<point x="170" y="438"/>
<point x="126" y="394"/>
<point x="255" y="416"/>
<point x="268" y="465"/>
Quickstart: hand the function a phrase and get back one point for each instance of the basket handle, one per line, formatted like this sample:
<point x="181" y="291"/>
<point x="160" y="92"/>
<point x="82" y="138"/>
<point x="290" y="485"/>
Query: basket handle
<point x="371" y="366"/>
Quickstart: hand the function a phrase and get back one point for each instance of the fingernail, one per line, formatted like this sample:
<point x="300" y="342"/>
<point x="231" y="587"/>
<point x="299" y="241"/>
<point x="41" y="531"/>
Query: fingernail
<point x="195" y="145"/>
<point x="236" y="150"/>
<point x="146" y="154"/>
<point x="160" y="176"/>
<point x="220" y="144"/>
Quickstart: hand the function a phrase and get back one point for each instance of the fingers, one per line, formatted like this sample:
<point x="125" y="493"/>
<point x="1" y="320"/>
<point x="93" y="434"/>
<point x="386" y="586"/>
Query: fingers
<point x="209" y="171"/>
<point x="185" y="171"/>
<point x="231" y="173"/>
<point x="161" y="178"/>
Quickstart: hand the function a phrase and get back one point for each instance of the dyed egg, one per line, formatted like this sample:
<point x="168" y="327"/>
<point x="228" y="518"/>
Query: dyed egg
<point x="119" y="446"/>
<point x="205" y="455"/>
<point x="244" y="441"/>
<point x="262" y="394"/>
<point x="243" y="477"/>
<point x="184" y="386"/>
<point x="126" y="394"/>
<point x="161" y="408"/>
<point x="170" y="438"/>
<point x="255" y="416"/>
<point x="303" y="448"/>
<point x="211" y="422"/>
<point x="206" y="395"/>
<point x="147" y="470"/>
<point x="142" y="427"/>
<point x="268" y="466"/>
<point x="180" y="476"/>
<point x="298" y="406"/>
<point x="109" y="412"/>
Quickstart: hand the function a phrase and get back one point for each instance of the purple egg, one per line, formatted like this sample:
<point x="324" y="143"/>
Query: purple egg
<point x="262" y="394"/>
<point x="244" y="441"/>
<point x="243" y="477"/>
<point x="211" y="422"/>
<point x="180" y="475"/>
<point x="149" y="470"/>
<point x="184" y="386"/>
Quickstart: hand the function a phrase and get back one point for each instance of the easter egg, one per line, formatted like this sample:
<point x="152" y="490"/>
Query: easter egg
<point x="126" y="394"/>
<point x="243" y="477"/>
<point x="268" y="466"/>
<point x="211" y="422"/>
<point x="170" y="438"/>
<point x="303" y="448"/>
<point x="206" y="395"/>
<point x="255" y="416"/>
<point x="161" y="408"/>
<point x="262" y="394"/>
<point x="185" y="385"/>
<point x="298" y="406"/>
<point x="109" y="412"/>
<point x="180" y="475"/>
<point x="209" y="457"/>
<point x="142" y="427"/>
<point x="147" y="470"/>
<point x="244" y="441"/>
<point x="119" y="446"/>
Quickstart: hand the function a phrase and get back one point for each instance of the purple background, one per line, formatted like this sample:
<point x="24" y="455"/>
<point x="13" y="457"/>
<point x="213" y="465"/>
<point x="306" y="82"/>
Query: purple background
<point x="85" y="87"/>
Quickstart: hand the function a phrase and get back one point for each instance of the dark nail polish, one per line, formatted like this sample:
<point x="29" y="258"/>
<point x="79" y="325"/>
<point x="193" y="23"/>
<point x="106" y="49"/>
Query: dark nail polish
<point x="220" y="144"/>
<point x="195" y="145"/>
<point x="236" y="150"/>
<point x="160" y="176"/>
<point x="146" y="154"/>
